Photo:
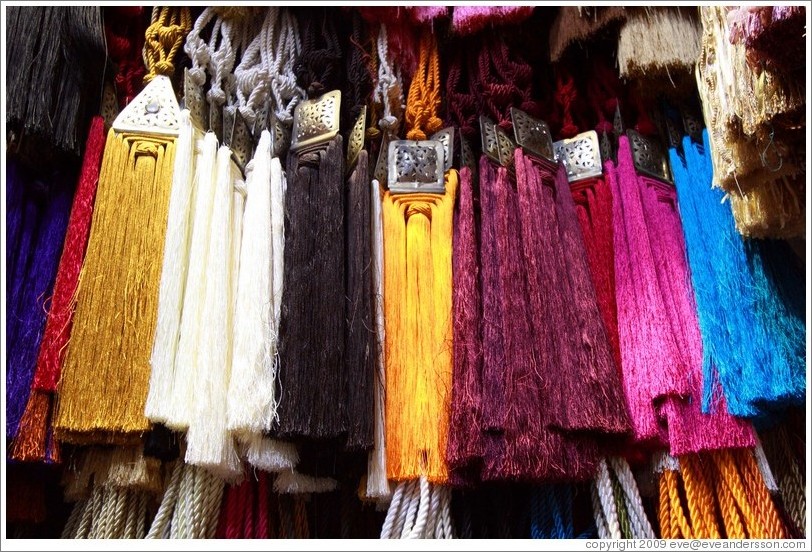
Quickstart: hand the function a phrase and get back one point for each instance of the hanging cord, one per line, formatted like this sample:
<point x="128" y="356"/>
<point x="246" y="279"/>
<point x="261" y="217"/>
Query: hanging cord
<point x="358" y="90"/>
<point x="163" y="39"/>
<point x="424" y="92"/>
<point x="388" y="90"/>
<point x="318" y="68"/>
<point x="505" y="81"/>
<point x="640" y="525"/>
<point x="460" y="91"/>
<point x="125" y="43"/>
<point x="280" y="52"/>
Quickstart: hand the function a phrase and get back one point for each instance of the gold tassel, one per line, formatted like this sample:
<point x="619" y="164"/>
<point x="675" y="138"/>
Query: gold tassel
<point x="106" y="373"/>
<point x="105" y="376"/>
<point x="417" y="303"/>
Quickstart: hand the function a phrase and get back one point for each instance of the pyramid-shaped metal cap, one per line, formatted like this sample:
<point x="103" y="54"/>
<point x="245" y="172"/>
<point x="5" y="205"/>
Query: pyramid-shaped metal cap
<point x="154" y="111"/>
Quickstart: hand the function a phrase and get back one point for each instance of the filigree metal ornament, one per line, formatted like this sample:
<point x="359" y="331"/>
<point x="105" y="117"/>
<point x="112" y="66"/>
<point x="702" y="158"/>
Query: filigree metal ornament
<point x="496" y="144"/>
<point x="280" y="136"/>
<point x="446" y="138"/>
<point x="355" y="141"/>
<point x="648" y="156"/>
<point x="109" y="106"/>
<point x="605" y="146"/>
<point x="381" y="173"/>
<point x="532" y="134"/>
<point x="316" y="121"/>
<point x="416" y="166"/>
<point x="154" y="111"/>
<point x="674" y="134"/>
<point x="194" y="101"/>
<point x="467" y="158"/>
<point x="580" y="155"/>
<point x="693" y="125"/>
<point x="237" y="137"/>
<point x="216" y="120"/>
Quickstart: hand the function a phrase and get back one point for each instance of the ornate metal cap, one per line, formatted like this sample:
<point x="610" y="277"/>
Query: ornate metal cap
<point x="154" y="111"/>
<point x="109" y="106"/>
<point x="355" y="143"/>
<point x="467" y="158"/>
<point x="446" y="138"/>
<point x="381" y="173"/>
<point x="316" y="121"/>
<point x="532" y="134"/>
<point x="649" y="158"/>
<point x="580" y="155"/>
<point x="416" y="166"/>
<point x="194" y="101"/>
<point x="496" y="144"/>
<point x="237" y="136"/>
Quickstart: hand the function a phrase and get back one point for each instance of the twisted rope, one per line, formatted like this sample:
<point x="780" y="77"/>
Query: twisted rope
<point x="163" y="39"/>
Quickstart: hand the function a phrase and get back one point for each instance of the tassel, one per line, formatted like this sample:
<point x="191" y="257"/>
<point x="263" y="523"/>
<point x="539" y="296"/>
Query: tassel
<point x="173" y="274"/>
<point x="251" y="400"/>
<point x="473" y="19"/>
<point x="56" y="60"/>
<point x="742" y="344"/>
<point x="579" y="25"/>
<point x="115" y="315"/>
<point x="465" y="431"/>
<point x="105" y="376"/>
<point x="377" y="485"/>
<point x="30" y="312"/>
<point x="551" y="512"/>
<point x="209" y="444"/>
<point x="31" y="443"/>
<point x="192" y="322"/>
<point x="310" y="353"/>
<point x="653" y="304"/>
<point x="659" y="47"/>
<point x="417" y="265"/>
<point x="359" y="338"/>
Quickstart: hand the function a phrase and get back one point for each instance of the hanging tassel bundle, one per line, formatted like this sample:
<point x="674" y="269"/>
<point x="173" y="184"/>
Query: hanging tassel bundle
<point x="657" y="320"/>
<point x="756" y="133"/>
<point x="616" y="502"/>
<point x="789" y="476"/>
<point x="32" y="441"/>
<point x="578" y="25"/>
<point x="312" y="354"/>
<point x="417" y="234"/>
<point x="106" y="370"/>
<point x="358" y="337"/>
<point x="747" y="330"/>
<point x="56" y="61"/>
<point x="551" y="512"/>
<point x="772" y="35"/>
<point x="190" y="506"/>
<point x="725" y="494"/>
<point x="658" y="47"/>
<point x="467" y="20"/>
<point x="29" y="311"/>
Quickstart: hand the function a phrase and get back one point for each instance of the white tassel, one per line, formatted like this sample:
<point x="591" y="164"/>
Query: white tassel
<point x="378" y="487"/>
<point x="278" y="190"/>
<point x="251" y="401"/>
<point x="291" y="482"/>
<point x="764" y="466"/>
<point x="173" y="274"/>
<point x="191" y="322"/>
<point x="271" y="455"/>
<point x="209" y="444"/>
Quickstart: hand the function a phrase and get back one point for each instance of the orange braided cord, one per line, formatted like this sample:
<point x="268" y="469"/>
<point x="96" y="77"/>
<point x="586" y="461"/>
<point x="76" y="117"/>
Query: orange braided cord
<point x="729" y="473"/>
<point x="699" y="496"/>
<point x="759" y="495"/>
<point x="664" y="515"/>
<point x="731" y="516"/>
<point x="424" y="92"/>
<point x="679" y="523"/>
<point x="163" y="38"/>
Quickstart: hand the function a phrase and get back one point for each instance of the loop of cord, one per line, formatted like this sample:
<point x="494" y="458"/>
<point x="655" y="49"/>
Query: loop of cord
<point x="424" y="92"/>
<point x="462" y="104"/>
<point x="388" y="91"/>
<point x="163" y="39"/>
<point x="279" y="52"/>
<point x="318" y="69"/>
<point x="125" y="41"/>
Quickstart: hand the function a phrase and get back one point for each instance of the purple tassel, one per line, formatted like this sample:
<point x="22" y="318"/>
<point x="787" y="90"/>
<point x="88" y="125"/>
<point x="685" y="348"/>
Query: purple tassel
<point x="31" y="292"/>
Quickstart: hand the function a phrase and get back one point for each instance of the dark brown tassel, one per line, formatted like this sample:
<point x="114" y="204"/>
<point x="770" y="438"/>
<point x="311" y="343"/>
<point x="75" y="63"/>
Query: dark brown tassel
<point x="312" y="330"/>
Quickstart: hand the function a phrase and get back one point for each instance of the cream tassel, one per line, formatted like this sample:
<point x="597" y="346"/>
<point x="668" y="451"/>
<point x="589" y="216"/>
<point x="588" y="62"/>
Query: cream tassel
<point x="251" y="400"/>
<point x="291" y="482"/>
<point x="377" y="484"/>
<point x="209" y="444"/>
<point x="173" y="275"/>
<point x="192" y="322"/>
